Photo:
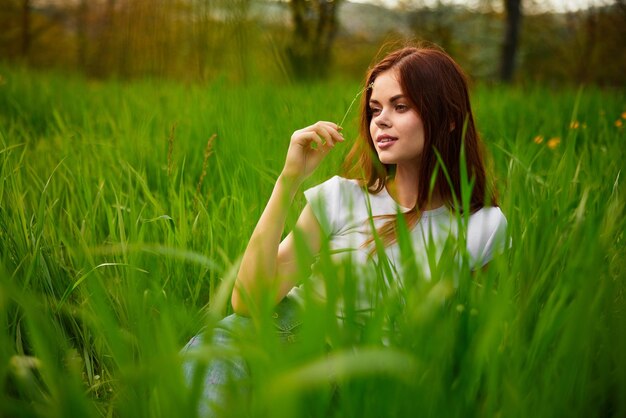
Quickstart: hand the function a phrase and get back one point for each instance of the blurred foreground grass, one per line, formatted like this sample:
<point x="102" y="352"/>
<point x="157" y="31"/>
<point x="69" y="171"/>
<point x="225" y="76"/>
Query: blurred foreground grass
<point x="118" y="222"/>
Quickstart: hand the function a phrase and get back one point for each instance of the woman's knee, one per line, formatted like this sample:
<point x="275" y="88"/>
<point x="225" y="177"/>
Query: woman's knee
<point x="221" y="333"/>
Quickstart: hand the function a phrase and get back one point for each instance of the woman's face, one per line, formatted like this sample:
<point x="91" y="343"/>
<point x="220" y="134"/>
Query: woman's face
<point x="396" y="127"/>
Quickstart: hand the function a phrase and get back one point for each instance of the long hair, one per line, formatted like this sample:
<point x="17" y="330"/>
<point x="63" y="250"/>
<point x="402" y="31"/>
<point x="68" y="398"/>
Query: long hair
<point x="437" y="88"/>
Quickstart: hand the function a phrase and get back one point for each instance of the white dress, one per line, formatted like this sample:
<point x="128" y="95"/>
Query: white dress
<point x="345" y="211"/>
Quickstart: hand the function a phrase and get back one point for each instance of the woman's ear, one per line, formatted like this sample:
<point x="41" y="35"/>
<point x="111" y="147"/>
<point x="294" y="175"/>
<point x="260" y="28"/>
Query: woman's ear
<point x="452" y="126"/>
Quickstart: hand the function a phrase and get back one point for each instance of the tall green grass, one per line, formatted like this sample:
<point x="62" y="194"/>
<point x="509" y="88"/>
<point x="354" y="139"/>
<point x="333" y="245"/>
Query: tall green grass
<point x="113" y="254"/>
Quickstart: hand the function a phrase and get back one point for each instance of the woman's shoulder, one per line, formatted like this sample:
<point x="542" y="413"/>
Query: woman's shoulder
<point x="486" y="234"/>
<point x="338" y="184"/>
<point x="329" y="199"/>
<point x="344" y="182"/>
<point x="489" y="218"/>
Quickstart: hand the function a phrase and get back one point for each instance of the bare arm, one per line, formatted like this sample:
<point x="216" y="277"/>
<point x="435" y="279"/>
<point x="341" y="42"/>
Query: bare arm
<point x="269" y="265"/>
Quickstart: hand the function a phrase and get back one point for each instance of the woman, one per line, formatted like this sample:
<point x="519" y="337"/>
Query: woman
<point x="416" y="126"/>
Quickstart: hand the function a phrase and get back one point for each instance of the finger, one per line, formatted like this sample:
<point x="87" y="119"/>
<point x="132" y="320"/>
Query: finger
<point x="331" y="124"/>
<point x="323" y="131"/>
<point x="335" y="130"/>
<point x="305" y="139"/>
<point x="322" y="128"/>
<point x="338" y="135"/>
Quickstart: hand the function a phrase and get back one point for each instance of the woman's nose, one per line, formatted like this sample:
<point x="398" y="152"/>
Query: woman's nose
<point x="381" y="120"/>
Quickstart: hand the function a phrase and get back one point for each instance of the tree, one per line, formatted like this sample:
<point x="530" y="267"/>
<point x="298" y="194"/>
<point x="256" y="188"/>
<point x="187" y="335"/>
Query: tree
<point x="314" y="29"/>
<point x="82" y="14"/>
<point x="26" y="28"/>
<point x="513" y="10"/>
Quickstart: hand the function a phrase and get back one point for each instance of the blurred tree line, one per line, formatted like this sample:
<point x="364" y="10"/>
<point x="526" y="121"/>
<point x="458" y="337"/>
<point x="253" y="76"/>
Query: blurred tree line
<point x="515" y="39"/>
<point x="199" y="40"/>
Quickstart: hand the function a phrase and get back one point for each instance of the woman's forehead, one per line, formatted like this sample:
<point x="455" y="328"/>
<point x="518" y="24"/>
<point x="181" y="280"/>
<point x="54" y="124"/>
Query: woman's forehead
<point x="387" y="84"/>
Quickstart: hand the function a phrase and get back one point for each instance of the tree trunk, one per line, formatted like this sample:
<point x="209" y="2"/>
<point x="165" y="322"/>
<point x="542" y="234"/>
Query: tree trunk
<point x="81" y="32"/>
<point x="104" y="44"/>
<point x="314" y="30"/>
<point x="513" y="9"/>
<point x="26" y="28"/>
<point x="586" y="61"/>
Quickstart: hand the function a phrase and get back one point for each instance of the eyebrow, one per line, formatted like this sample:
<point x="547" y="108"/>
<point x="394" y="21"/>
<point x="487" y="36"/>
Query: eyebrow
<point x="393" y="99"/>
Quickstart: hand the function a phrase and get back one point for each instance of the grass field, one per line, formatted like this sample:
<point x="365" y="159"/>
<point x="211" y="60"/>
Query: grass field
<point x="120" y="219"/>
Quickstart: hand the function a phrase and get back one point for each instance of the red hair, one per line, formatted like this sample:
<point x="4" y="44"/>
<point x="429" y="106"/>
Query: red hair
<point x="437" y="88"/>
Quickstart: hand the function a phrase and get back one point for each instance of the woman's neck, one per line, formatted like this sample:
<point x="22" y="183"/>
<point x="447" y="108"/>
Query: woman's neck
<point x="403" y="189"/>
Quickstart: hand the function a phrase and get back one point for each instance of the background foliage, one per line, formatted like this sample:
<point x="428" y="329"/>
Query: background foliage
<point x="199" y="40"/>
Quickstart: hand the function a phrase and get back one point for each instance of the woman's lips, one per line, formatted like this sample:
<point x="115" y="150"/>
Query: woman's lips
<point x="385" y="141"/>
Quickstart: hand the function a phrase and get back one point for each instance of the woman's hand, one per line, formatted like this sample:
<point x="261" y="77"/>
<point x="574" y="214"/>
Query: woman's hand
<point x="302" y="158"/>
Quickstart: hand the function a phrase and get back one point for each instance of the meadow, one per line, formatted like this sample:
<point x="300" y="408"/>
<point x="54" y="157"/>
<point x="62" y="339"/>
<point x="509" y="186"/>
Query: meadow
<point x="125" y="206"/>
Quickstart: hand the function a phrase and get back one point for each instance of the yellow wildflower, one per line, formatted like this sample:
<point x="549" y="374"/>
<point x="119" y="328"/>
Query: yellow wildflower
<point x="554" y="142"/>
<point x="619" y="123"/>
<point x="538" y="139"/>
<point x="574" y="124"/>
<point x="623" y="115"/>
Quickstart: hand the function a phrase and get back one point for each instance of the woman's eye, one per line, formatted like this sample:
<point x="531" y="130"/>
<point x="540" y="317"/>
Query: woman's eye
<point x="401" y="107"/>
<point x="375" y="111"/>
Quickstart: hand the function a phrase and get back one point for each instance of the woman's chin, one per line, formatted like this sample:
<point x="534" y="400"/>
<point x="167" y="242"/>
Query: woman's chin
<point x="386" y="160"/>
